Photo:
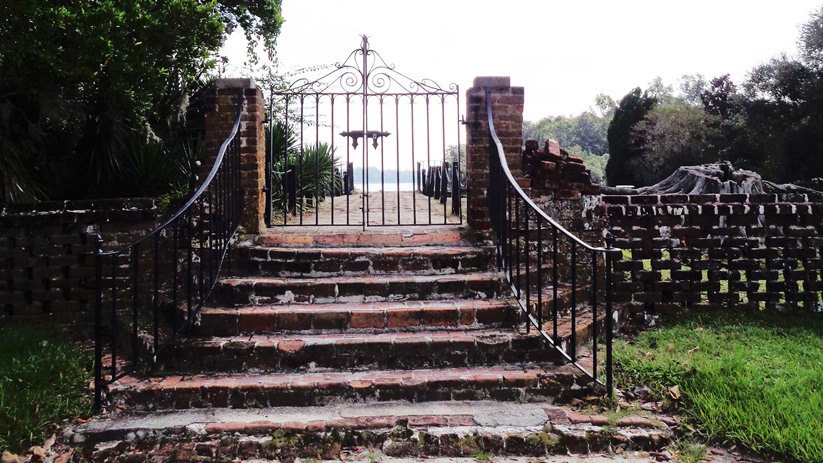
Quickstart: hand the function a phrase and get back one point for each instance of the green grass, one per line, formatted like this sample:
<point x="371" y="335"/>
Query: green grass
<point x="43" y="382"/>
<point x="749" y="378"/>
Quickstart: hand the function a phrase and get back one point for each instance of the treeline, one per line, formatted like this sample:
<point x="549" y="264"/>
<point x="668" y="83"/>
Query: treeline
<point x="771" y="123"/>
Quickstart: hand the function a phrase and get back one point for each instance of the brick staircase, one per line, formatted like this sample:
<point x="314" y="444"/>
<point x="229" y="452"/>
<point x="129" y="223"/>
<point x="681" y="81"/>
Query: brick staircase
<point x="315" y="320"/>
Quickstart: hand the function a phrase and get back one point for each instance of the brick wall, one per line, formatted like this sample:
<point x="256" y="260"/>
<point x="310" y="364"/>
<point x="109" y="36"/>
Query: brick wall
<point x="507" y="110"/>
<point x="46" y="271"/>
<point x="718" y="250"/>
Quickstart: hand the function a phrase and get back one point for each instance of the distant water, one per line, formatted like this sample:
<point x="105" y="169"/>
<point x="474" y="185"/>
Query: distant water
<point x="388" y="186"/>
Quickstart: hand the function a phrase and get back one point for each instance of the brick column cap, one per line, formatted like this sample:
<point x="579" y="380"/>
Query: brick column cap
<point x="237" y="82"/>
<point x="492" y="81"/>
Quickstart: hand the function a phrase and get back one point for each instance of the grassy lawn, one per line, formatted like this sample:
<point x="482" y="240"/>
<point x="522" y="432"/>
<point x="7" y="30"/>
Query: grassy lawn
<point x="751" y="378"/>
<point x="43" y="382"/>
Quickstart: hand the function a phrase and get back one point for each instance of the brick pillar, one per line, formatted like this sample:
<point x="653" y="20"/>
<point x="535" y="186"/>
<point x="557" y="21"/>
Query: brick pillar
<point x="219" y="122"/>
<point x="507" y="110"/>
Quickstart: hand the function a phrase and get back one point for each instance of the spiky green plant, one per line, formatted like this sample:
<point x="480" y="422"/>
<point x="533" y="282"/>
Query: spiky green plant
<point x="315" y="168"/>
<point x="315" y="172"/>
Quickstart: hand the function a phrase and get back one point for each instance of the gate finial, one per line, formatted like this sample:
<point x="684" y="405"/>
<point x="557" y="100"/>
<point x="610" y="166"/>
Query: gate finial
<point x="365" y="44"/>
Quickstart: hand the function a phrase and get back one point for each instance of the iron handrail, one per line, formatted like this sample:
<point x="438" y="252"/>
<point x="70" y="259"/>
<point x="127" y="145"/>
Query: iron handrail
<point x="205" y="224"/>
<point x="523" y="195"/>
<point x="197" y="194"/>
<point x="512" y="270"/>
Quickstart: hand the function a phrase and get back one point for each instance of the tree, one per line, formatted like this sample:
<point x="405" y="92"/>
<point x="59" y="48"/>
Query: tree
<point x="83" y="83"/>
<point x="672" y="136"/>
<point x="606" y="105"/>
<point x="719" y="100"/>
<point x="624" y="149"/>
<point x="811" y="40"/>
<point x="781" y="112"/>
<point x="692" y="88"/>
<point x="664" y="94"/>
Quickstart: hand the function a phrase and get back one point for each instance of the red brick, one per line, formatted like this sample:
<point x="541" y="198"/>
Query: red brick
<point x="328" y="239"/>
<point x="257" y="321"/>
<point x="599" y="420"/>
<point x="291" y="345"/>
<point x="316" y="426"/>
<point x="387" y="239"/>
<point x="467" y="316"/>
<point x="490" y="315"/>
<point x="367" y="319"/>
<point x="518" y="378"/>
<point x="401" y="318"/>
<point x="578" y="418"/>
<point x="439" y="316"/>
<point x="331" y="320"/>
<point x="360" y="384"/>
<point x="258" y="427"/>
<point x="418" y="238"/>
<point x="357" y="239"/>
<point x="297" y="320"/>
<point x="216" y="428"/>
<point x="294" y="426"/>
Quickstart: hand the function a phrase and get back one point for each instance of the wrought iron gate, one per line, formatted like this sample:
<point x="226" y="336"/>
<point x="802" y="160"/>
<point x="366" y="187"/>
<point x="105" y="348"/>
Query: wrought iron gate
<point x="352" y="133"/>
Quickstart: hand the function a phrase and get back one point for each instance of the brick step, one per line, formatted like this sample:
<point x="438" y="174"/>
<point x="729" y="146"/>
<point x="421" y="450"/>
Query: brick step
<point x="260" y="291"/>
<point x="325" y="261"/>
<point x="358" y="352"/>
<point x="564" y="293"/>
<point x="373" y="237"/>
<point x="338" y="318"/>
<point x="431" y="429"/>
<point x="518" y="382"/>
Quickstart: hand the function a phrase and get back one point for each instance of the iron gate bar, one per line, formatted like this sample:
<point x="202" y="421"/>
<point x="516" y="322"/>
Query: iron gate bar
<point x="366" y="73"/>
<point x="317" y="161"/>
<point x="397" y="152"/>
<point x="331" y="102"/>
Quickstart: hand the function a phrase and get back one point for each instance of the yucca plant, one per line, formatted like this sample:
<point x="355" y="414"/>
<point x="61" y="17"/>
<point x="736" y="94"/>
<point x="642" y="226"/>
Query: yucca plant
<point x="315" y="172"/>
<point x="315" y="168"/>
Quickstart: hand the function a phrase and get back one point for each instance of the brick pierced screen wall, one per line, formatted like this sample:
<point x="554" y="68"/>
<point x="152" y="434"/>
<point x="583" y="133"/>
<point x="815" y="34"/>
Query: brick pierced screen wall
<point x="718" y="250"/>
<point x="46" y="269"/>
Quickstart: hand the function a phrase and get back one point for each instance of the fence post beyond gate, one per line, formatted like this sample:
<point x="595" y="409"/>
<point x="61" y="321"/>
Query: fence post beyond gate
<point x="507" y="105"/>
<point x="219" y="122"/>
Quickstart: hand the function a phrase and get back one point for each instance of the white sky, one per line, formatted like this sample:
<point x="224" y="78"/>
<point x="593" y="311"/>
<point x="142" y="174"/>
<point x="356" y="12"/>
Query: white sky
<point x="563" y="52"/>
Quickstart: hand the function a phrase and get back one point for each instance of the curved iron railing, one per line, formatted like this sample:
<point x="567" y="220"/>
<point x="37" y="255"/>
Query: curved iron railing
<point x="529" y="253"/>
<point x="154" y="287"/>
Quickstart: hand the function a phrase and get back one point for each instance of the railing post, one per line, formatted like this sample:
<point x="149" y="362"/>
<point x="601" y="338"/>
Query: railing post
<point x="608" y="327"/>
<point x="98" y="324"/>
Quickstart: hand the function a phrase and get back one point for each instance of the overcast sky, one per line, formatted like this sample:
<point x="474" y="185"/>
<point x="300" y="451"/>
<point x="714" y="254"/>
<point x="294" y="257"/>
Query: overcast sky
<point x="563" y="52"/>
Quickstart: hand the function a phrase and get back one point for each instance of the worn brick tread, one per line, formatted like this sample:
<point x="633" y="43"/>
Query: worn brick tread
<point x="348" y="351"/>
<point x="325" y="261"/>
<point x="372" y="288"/>
<point x="354" y="252"/>
<point x="521" y="382"/>
<point x="392" y="316"/>
<point x="374" y="237"/>
<point x="386" y="415"/>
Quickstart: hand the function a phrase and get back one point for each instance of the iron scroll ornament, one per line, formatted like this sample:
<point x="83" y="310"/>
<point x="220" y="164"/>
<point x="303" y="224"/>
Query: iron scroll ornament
<point x="365" y="71"/>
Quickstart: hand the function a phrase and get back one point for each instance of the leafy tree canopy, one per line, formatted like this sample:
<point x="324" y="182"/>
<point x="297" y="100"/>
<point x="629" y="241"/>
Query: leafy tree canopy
<point x="672" y="136"/>
<point x="81" y="80"/>
<point x="623" y="148"/>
